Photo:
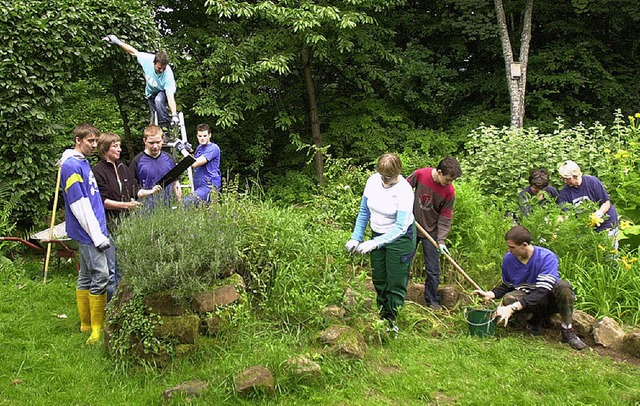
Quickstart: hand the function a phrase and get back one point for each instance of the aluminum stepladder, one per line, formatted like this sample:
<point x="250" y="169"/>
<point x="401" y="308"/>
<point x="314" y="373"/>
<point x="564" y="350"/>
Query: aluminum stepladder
<point x="171" y="144"/>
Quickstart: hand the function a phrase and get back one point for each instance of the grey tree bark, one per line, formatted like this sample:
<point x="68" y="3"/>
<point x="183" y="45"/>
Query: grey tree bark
<point x="516" y="85"/>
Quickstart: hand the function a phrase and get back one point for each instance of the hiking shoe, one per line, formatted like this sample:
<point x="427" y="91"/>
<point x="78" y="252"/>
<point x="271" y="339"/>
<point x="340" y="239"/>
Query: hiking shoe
<point x="534" y="325"/>
<point x="435" y="306"/>
<point x="570" y="336"/>
<point x="535" y="328"/>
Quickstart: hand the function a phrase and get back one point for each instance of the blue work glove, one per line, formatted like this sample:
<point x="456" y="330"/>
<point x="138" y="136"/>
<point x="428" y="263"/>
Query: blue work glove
<point x="351" y="246"/>
<point x="443" y="249"/>
<point x="112" y="39"/>
<point x="367" y="246"/>
<point x="175" y="121"/>
<point x="104" y="245"/>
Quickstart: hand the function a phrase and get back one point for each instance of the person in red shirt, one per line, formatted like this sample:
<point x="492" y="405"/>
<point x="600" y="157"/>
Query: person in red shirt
<point x="433" y="210"/>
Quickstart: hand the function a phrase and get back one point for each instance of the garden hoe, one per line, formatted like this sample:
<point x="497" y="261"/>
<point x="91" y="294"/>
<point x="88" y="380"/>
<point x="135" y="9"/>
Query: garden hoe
<point x="453" y="262"/>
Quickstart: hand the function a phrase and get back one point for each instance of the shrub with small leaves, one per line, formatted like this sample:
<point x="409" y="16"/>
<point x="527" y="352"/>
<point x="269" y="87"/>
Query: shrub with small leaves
<point x="181" y="250"/>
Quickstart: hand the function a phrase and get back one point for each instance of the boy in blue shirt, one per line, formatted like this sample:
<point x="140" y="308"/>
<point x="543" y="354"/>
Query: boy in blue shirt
<point x="530" y="280"/>
<point x="207" y="179"/>
<point x="150" y="165"/>
<point x="86" y="223"/>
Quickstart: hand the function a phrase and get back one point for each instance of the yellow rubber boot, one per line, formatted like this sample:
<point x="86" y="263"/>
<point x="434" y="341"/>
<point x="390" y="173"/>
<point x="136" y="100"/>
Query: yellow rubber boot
<point x="98" y="304"/>
<point x="82" y="298"/>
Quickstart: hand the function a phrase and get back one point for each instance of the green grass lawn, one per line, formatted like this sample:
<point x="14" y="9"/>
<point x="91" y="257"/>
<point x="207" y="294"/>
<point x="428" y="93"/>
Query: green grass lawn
<point x="43" y="361"/>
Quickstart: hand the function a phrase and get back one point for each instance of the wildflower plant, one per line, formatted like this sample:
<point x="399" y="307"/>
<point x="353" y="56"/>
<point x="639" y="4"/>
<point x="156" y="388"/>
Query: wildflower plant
<point x="622" y="176"/>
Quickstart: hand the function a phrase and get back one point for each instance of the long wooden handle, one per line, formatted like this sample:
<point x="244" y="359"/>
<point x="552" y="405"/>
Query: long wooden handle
<point x="453" y="262"/>
<point x="53" y="222"/>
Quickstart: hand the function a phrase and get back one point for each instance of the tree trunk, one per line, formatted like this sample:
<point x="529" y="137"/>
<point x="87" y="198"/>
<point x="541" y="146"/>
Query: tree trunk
<point x="517" y="85"/>
<point x="313" y="114"/>
<point x="127" y="141"/>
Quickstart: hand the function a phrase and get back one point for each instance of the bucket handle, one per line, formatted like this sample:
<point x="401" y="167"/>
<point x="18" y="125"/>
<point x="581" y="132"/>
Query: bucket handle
<point x="475" y="324"/>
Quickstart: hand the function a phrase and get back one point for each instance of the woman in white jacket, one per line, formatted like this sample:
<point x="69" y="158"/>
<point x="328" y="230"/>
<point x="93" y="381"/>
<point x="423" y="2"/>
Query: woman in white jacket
<point x="387" y="205"/>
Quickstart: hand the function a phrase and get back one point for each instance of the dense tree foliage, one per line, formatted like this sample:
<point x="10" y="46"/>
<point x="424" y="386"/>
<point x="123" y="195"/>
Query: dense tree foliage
<point x="47" y="46"/>
<point x="412" y="76"/>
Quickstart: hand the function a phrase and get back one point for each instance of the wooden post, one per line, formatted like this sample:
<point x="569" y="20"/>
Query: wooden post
<point x="52" y="224"/>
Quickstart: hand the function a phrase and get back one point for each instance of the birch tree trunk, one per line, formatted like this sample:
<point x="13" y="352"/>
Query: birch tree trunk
<point x="516" y="85"/>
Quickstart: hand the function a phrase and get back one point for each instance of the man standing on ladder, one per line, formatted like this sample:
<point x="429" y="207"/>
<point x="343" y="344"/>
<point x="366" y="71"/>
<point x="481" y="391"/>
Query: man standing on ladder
<point x="160" y="85"/>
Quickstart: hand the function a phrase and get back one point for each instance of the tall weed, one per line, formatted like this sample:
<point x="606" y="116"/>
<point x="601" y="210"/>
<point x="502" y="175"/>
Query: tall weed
<point x="10" y="199"/>
<point x="502" y="158"/>
<point x="476" y="240"/>
<point x="293" y="263"/>
<point x="338" y="202"/>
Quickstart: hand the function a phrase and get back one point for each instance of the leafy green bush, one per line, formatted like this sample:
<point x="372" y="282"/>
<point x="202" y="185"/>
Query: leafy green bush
<point x="294" y="187"/>
<point x="622" y="174"/>
<point x="46" y="46"/>
<point x="338" y="202"/>
<point x="180" y="250"/>
<point x="476" y="239"/>
<point x="10" y="198"/>
<point x="502" y="159"/>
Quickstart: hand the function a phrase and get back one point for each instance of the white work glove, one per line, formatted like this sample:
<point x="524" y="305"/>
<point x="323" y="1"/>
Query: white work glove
<point x="351" y="246"/>
<point x="175" y="121"/>
<point x="599" y="214"/>
<point x="104" y="245"/>
<point x="505" y="313"/>
<point x="443" y="249"/>
<point x="367" y="246"/>
<point x="112" y="39"/>
<point x="487" y="296"/>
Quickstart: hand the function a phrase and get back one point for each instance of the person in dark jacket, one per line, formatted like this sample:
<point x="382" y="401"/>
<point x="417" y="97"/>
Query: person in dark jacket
<point x="119" y="191"/>
<point x="538" y="192"/>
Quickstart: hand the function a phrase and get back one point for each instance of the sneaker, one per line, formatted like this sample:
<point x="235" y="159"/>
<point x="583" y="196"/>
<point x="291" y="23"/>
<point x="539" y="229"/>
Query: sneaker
<point x="535" y="329"/>
<point x="569" y="336"/>
<point x="393" y="329"/>
<point x="435" y="306"/>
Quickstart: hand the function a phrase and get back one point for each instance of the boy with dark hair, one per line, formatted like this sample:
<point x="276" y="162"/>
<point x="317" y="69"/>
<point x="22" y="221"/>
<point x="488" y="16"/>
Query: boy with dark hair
<point x="538" y="192"/>
<point x="433" y="210"/>
<point x="531" y="282"/>
<point x="160" y="85"/>
<point x="207" y="179"/>
<point x="86" y="223"/>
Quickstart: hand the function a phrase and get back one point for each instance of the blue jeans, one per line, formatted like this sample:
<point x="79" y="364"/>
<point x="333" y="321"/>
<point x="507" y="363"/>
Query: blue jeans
<point x="114" y="272"/>
<point x="203" y="195"/>
<point x="158" y="104"/>
<point x="94" y="271"/>
<point x="432" y="272"/>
